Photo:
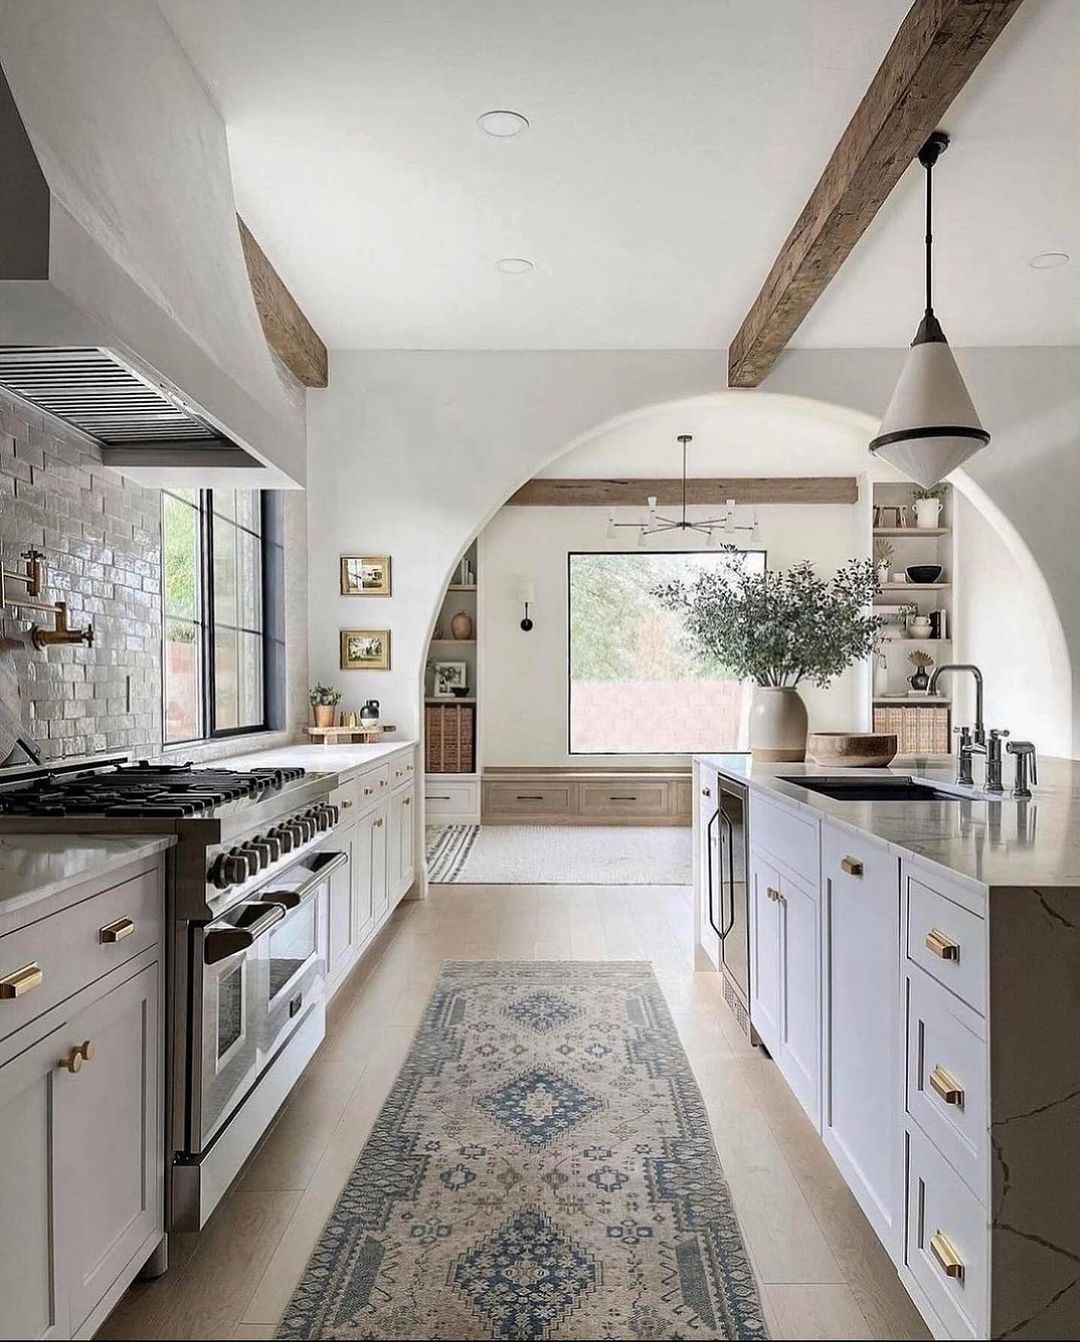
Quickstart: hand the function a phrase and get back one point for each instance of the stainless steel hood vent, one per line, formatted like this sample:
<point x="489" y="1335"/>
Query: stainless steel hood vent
<point x="103" y="397"/>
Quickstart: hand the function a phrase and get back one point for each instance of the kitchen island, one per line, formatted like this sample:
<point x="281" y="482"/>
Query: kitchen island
<point x="914" y="970"/>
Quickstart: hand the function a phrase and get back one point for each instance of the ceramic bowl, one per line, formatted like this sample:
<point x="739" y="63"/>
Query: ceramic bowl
<point x="851" y="750"/>
<point x="924" y="572"/>
<point x="459" y="691"/>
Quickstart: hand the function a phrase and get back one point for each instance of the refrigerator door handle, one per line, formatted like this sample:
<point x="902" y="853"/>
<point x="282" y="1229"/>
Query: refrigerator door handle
<point x="709" y="872"/>
<point x="729" y="923"/>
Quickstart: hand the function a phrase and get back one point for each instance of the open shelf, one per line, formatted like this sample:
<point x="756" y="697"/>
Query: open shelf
<point x="915" y="586"/>
<point x="464" y="642"/>
<point x="450" y="699"/>
<point x="462" y="587"/>
<point x="888" y="642"/>
<point x="906" y="700"/>
<point x="912" y="531"/>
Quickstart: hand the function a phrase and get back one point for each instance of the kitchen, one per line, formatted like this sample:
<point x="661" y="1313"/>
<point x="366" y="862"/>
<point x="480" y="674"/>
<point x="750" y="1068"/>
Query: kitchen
<point x="218" y="935"/>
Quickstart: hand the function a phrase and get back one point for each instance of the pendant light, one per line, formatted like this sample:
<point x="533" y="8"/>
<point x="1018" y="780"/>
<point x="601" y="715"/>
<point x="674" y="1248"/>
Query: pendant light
<point x="930" y="426"/>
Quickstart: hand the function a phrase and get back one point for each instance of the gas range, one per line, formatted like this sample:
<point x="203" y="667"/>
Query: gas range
<point x="235" y="828"/>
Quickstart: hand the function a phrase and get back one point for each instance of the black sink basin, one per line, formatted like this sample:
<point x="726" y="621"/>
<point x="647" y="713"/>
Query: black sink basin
<point x="872" y="789"/>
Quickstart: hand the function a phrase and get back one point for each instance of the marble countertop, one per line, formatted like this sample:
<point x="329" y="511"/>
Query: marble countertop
<point x="34" y="866"/>
<point x="1001" y="842"/>
<point x="343" y="760"/>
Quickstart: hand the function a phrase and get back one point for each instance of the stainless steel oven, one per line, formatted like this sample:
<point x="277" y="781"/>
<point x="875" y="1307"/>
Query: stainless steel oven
<point x="727" y="856"/>
<point x="259" y="972"/>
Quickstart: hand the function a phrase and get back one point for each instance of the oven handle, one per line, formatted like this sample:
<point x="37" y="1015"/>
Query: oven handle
<point x="292" y="899"/>
<point x="221" y="942"/>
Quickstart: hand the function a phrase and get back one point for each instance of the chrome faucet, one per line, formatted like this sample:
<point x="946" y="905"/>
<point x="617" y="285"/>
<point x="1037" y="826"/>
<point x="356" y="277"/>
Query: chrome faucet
<point x="980" y="730"/>
<point x="965" y="751"/>
<point x="993" y="760"/>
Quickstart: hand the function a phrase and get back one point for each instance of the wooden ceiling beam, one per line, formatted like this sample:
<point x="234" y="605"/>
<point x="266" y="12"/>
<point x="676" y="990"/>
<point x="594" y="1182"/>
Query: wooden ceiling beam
<point x="936" y="50"/>
<point x="618" y="493"/>
<point x="288" y="332"/>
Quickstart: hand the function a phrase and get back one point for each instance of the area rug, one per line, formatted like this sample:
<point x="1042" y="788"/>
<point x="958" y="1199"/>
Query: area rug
<point x="543" y="1168"/>
<point x="561" y="855"/>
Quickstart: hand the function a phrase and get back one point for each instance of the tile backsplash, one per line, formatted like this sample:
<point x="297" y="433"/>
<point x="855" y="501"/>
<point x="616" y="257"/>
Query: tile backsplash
<point x="101" y="536"/>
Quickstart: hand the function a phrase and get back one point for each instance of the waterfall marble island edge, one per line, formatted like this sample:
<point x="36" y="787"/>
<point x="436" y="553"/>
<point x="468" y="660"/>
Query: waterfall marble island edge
<point x="913" y="971"/>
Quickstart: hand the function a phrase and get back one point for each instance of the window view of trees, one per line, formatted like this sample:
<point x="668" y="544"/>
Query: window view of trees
<point x="637" y="683"/>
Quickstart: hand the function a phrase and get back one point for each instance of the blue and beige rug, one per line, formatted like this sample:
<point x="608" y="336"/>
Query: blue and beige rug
<point x="543" y="1168"/>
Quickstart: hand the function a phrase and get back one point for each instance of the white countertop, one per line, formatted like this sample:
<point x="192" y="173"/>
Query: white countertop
<point x="998" y="843"/>
<point x="34" y="866"/>
<point x="344" y="760"/>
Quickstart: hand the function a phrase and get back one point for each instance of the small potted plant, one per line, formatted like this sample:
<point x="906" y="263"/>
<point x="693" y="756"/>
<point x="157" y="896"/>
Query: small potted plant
<point x="919" y="680"/>
<point x="883" y="555"/>
<point x="928" y="505"/>
<point x="324" y="701"/>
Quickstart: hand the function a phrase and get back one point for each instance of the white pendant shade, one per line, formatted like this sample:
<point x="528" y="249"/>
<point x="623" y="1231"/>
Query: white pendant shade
<point x="930" y="426"/>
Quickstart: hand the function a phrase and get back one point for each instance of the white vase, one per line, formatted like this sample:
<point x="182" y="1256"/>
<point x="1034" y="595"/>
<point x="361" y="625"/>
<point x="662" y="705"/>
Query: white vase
<point x="927" y="512"/>
<point x="778" y="725"/>
<point x="883" y="572"/>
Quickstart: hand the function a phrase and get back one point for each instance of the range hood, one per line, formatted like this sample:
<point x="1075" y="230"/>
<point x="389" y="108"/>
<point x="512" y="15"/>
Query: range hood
<point x="125" y="305"/>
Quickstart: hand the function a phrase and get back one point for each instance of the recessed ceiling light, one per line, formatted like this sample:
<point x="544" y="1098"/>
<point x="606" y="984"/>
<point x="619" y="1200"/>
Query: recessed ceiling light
<point x="1049" y="260"/>
<point x="513" y="265"/>
<point x="501" y="124"/>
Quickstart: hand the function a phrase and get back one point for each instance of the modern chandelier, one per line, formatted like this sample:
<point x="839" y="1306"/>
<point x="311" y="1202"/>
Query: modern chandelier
<point x="930" y="426"/>
<point x="718" y="531"/>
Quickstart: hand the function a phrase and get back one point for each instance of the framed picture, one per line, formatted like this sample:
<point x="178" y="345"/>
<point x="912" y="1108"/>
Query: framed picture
<point x="365" y="575"/>
<point x="365" y="650"/>
<point x="449" y="675"/>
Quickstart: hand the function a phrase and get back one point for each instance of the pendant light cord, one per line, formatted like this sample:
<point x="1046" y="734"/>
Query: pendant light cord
<point x="684" y="480"/>
<point x="929" y="238"/>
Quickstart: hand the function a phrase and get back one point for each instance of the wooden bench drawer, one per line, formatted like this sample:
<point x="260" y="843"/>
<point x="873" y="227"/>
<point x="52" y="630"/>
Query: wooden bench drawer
<point x="623" y="799"/>
<point x="444" y="799"/>
<point x="74" y="947"/>
<point x="528" y="801"/>
<point x="947" y="1075"/>
<point x="948" y="941"/>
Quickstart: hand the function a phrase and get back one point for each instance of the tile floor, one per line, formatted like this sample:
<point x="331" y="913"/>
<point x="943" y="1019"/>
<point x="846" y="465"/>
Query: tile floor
<point x="823" y="1273"/>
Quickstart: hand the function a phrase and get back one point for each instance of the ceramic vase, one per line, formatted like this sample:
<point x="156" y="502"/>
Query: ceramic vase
<point x="778" y="725"/>
<point x="927" y="512"/>
<point x="369" y="714"/>
<point x="883" y="572"/>
<point x="461" y="626"/>
<point x="324" y="714"/>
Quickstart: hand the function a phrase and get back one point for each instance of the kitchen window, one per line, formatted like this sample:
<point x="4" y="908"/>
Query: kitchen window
<point x="637" y="686"/>
<point x="222" y="560"/>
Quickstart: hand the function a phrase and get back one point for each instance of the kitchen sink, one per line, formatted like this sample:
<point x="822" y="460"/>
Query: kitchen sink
<point x="861" y="788"/>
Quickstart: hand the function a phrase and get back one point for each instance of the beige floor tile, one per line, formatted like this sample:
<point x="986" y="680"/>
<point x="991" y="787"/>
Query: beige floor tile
<point x="809" y="1313"/>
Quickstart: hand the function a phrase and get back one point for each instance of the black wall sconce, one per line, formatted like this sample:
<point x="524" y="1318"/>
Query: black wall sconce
<point x="528" y="596"/>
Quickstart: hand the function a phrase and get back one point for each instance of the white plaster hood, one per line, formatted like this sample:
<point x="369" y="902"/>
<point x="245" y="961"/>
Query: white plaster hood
<point x="141" y="253"/>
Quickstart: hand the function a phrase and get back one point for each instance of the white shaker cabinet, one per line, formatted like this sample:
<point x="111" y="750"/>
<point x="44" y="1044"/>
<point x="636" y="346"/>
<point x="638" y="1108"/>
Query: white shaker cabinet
<point x="861" y="1034"/>
<point x="766" y="990"/>
<point x="369" y="889"/>
<point x="402" y="867"/>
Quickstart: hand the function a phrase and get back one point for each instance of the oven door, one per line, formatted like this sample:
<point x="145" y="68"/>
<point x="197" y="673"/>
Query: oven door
<point x="292" y="955"/>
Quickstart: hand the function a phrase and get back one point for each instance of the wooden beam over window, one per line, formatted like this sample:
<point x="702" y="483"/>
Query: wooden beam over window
<point x="288" y="332"/>
<point x="619" y="493"/>
<point x="935" y="52"/>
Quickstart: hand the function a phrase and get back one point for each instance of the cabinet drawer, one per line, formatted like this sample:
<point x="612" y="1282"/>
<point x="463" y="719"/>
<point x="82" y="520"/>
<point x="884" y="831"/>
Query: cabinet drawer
<point x="527" y="800"/>
<point x="946" y="1224"/>
<point x="401" y="769"/>
<point x="80" y="943"/>
<point x="949" y="942"/>
<point x="947" y="1077"/>
<point x="443" y="799"/>
<point x="788" y="836"/>
<point x="345" y="798"/>
<point x="372" y="784"/>
<point x="619" y="799"/>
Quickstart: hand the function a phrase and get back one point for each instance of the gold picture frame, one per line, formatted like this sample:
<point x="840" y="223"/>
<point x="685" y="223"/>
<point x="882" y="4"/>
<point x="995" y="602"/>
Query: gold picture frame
<point x="365" y="650"/>
<point x="365" y="575"/>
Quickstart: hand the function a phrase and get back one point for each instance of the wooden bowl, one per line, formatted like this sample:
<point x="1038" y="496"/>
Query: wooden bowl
<point x="851" y="750"/>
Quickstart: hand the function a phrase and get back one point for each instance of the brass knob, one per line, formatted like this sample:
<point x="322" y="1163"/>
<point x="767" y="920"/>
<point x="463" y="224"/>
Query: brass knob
<point x="73" y="1062"/>
<point x="87" y="1049"/>
<point x="772" y="894"/>
<point x="378" y="823"/>
<point x="407" y="801"/>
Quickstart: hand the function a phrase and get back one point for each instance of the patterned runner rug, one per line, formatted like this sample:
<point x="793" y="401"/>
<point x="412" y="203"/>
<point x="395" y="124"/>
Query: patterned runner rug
<point x="560" y="854"/>
<point x="543" y="1168"/>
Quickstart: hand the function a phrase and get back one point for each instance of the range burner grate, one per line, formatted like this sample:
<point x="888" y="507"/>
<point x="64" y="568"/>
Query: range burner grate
<point x="143" y="789"/>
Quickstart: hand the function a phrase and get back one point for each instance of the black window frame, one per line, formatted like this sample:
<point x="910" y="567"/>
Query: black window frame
<point x="271" y="554"/>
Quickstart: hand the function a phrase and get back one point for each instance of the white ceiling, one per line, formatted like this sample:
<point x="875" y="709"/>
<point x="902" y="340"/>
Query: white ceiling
<point x="672" y="145"/>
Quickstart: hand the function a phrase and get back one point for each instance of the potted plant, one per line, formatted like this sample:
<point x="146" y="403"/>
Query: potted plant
<point x="779" y="629"/>
<point x="928" y="505"/>
<point x="324" y="701"/>
<point x="919" y="680"/>
<point x="883" y="554"/>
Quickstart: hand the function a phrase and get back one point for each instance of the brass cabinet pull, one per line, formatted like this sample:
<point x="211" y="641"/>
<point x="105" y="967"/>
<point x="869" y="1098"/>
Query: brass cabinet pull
<point x="947" y="1086"/>
<point x="948" y="1259"/>
<point x="116" y="931"/>
<point x="378" y="823"/>
<point x="772" y="894"/>
<point x="942" y="945"/>
<point x="346" y="804"/>
<point x="407" y="801"/>
<point x="852" y="865"/>
<point x="706" y="791"/>
<point x="21" y="981"/>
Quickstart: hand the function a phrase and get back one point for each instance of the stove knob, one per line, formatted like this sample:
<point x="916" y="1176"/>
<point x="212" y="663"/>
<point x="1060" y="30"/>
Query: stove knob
<point x="299" y="831"/>
<point x="219" y="874"/>
<point x="273" y="845"/>
<point x="257" y="855"/>
<point x="284" y="836"/>
<point x="308" y="825"/>
<point x="335" y="813"/>
<point x="322" y="817"/>
<point x="262" y="848"/>
<point x="246" y="863"/>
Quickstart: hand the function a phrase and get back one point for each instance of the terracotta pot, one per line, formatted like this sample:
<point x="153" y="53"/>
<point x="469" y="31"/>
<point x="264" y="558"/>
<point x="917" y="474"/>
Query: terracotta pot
<point x="461" y="625"/>
<point x="778" y="725"/>
<point x="324" y="714"/>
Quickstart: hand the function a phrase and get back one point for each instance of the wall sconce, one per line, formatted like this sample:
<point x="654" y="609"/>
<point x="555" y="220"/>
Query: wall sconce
<point x="528" y="597"/>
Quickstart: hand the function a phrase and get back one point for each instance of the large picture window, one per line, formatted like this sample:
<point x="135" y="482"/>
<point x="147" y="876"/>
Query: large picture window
<point x="636" y="685"/>
<point x="221" y="563"/>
